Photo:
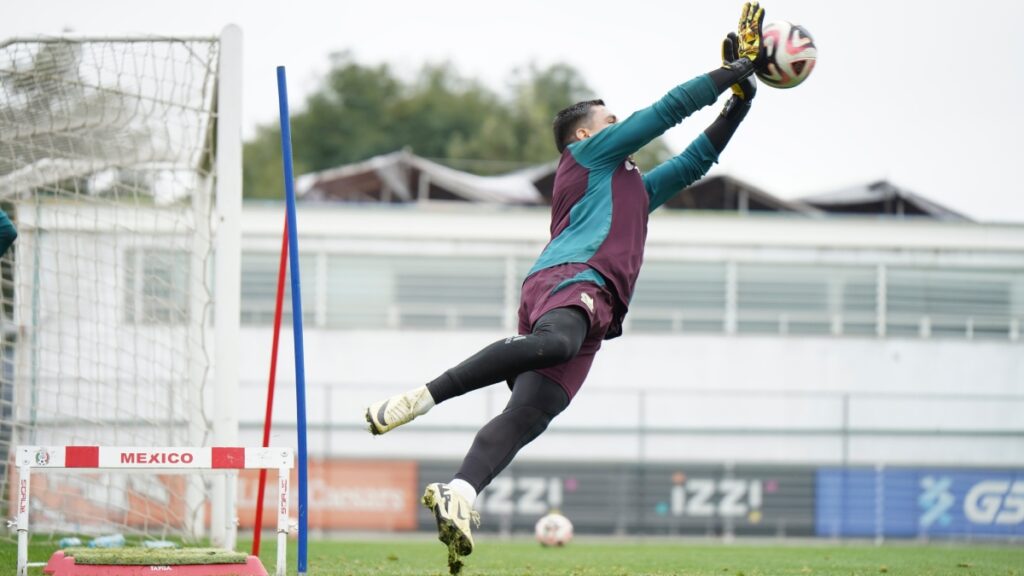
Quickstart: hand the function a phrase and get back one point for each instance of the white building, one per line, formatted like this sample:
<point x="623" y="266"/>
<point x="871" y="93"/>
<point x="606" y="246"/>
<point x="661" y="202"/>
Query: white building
<point x="751" y="338"/>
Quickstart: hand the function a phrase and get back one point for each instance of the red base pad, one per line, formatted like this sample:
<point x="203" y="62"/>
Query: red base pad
<point x="59" y="565"/>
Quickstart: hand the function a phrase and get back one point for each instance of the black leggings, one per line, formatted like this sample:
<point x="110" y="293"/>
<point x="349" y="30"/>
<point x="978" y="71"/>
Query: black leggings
<point x="535" y="401"/>
<point x="556" y="338"/>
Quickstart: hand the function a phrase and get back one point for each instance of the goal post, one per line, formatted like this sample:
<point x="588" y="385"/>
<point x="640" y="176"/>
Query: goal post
<point x="120" y="166"/>
<point x="149" y="459"/>
<point x="228" y="263"/>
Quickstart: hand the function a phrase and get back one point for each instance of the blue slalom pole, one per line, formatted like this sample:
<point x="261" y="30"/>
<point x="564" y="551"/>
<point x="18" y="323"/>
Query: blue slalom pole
<point x="300" y="366"/>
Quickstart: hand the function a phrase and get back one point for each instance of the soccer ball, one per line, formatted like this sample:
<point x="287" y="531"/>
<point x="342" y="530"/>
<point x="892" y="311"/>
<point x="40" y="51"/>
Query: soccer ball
<point x="553" y="530"/>
<point x="791" y="54"/>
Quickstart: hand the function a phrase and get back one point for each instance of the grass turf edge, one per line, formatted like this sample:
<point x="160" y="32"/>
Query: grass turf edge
<point x="154" y="557"/>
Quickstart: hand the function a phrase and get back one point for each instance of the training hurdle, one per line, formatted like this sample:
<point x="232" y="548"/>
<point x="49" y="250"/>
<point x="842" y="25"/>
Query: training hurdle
<point x="149" y="459"/>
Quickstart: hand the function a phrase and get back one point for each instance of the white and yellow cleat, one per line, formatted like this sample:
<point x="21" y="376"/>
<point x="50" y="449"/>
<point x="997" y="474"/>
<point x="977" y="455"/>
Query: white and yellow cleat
<point x="386" y="415"/>
<point x="453" y="514"/>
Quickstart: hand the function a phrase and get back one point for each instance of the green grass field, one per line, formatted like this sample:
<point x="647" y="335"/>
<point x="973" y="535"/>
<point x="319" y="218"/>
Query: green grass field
<point x="633" y="558"/>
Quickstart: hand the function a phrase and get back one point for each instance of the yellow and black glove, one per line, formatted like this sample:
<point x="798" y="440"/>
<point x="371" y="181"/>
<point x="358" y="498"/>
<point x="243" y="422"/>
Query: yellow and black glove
<point x="750" y="45"/>
<point x="742" y="52"/>
<point x="746" y="88"/>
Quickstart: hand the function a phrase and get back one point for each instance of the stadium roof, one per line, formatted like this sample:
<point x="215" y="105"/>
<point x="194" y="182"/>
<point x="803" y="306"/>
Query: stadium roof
<point x="402" y="176"/>
<point x="881" y="197"/>
<point x="405" y="177"/>
<point x="725" y="193"/>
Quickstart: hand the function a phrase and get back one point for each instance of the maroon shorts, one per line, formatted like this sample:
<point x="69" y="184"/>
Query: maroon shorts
<point x="559" y="287"/>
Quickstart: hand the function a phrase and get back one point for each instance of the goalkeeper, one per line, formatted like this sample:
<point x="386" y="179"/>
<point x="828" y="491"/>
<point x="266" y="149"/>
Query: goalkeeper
<point x="578" y="291"/>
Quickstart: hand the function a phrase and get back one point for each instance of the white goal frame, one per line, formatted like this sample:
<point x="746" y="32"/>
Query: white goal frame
<point x="150" y="459"/>
<point x="211" y="377"/>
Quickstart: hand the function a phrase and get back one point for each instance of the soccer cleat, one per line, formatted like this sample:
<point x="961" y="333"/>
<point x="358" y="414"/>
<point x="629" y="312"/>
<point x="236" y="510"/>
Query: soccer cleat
<point x="386" y="415"/>
<point x="453" y="514"/>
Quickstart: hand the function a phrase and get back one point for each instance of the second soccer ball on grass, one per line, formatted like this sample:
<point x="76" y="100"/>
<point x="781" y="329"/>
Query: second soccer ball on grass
<point x="553" y="530"/>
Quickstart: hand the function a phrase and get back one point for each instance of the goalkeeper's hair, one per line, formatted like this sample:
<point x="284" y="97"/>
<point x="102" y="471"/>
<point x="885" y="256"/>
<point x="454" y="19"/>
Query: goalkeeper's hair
<point x="568" y="120"/>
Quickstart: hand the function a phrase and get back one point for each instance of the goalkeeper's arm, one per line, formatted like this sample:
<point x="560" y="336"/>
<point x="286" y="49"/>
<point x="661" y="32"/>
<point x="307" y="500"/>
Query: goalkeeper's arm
<point x="736" y="108"/>
<point x="616" y="142"/>
<point x="741" y="54"/>
<point x="679" y="172"/>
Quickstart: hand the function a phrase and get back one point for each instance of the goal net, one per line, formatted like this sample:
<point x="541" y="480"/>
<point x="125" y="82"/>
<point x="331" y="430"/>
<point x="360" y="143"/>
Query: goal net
<point x="108" y="171"/>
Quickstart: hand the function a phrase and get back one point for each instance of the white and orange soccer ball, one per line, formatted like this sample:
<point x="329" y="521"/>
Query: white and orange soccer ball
<point x="553" y="530"/>
<point x="791" y="54"/>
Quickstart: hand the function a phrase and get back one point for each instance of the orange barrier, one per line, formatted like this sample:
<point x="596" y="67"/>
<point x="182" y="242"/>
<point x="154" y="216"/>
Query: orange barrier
<point x="348" y="495"/>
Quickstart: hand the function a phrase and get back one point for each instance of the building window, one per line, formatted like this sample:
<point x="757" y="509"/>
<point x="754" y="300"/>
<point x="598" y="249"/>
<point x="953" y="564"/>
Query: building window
<point x="684" y="297"/>
<point x="259" y="288"/>
<point x="415" y="292"/>
<point x="805" y="299"/>
<point x="157" y="286"/>
<point x="953" y="303"/>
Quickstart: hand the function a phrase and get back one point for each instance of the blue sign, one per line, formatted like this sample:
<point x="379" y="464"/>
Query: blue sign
<point x="919" y="502"/>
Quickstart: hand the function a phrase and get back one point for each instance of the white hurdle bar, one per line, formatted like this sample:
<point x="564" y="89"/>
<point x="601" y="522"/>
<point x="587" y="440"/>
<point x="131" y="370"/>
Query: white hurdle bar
<point x="151" y="459"/>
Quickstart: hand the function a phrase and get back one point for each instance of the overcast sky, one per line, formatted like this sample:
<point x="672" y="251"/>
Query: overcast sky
<point x="924" y="94"/>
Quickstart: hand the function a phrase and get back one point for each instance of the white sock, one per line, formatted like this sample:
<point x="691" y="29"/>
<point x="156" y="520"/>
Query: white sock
<point x="424" y="401"/>
<point x="464" y="489"/>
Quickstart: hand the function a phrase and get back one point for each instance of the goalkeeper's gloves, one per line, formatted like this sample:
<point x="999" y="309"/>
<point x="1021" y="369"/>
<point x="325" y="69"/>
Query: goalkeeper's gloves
<point x="742" y="53"/>
<point x="746" y="88"/>
<point x="750" y="45"/>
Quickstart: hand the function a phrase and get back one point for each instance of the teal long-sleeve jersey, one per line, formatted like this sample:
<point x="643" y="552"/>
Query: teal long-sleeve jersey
<point x="601" y="202"/>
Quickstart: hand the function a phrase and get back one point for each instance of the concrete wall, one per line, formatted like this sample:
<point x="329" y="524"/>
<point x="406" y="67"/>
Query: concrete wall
<point x="684" y="398"/>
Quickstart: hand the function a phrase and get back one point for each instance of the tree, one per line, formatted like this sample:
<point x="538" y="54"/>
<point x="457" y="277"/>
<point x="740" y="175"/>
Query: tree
<point x="361" y="111"/>
<point x="520" y="134"/>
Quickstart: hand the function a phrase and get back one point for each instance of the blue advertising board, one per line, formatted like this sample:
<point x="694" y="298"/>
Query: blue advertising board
<point x="919" y="502"/>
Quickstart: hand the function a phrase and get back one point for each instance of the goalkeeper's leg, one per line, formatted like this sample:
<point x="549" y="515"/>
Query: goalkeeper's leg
<point x="535" y="400"/>
<point x="556" y="338"/>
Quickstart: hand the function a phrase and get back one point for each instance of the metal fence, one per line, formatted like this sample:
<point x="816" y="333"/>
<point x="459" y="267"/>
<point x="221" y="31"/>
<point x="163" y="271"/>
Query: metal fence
<point x="350" y="291"/>
<point x="666" y="424"/>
